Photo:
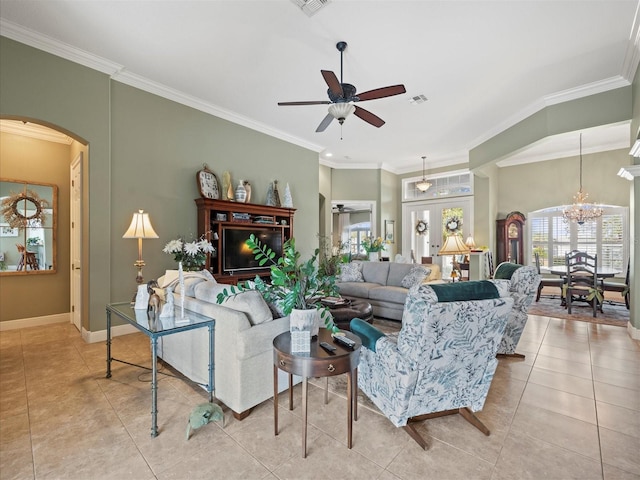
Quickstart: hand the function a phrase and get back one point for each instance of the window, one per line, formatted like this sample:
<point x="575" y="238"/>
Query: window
<point x="451" y="184"/>
<point x="608" y="237"/>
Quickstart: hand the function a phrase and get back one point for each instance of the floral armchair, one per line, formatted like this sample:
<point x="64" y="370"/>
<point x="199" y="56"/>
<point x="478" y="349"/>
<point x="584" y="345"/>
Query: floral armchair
<point x="523" y="289"/>
<point x="443" y="359"/>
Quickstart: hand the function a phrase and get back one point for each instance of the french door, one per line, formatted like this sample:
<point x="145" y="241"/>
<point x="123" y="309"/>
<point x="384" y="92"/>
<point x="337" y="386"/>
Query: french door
<point x="424" y="232"/>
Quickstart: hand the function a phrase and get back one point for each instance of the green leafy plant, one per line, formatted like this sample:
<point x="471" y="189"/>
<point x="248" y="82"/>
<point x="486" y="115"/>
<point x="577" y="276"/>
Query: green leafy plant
<point x="294" y="283"/>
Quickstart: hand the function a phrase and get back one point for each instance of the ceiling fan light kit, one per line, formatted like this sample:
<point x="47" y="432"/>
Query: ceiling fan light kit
<point x="343" y="96"/>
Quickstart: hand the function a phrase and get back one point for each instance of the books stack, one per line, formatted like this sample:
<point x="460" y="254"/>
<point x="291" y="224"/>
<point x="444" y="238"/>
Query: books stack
<point x="264" y="219"/>
<point x="241" y="217"/>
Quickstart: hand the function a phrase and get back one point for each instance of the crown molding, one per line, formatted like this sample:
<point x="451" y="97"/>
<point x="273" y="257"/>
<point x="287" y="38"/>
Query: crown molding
<point x="177" y="96"/>
<point x="55" y="47"/>
<point x="632" y="57"/>
<point x="118" y="73"/>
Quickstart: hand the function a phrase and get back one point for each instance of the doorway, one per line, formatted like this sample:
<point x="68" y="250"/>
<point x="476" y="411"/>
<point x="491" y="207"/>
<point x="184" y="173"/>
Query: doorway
<point x="423" y="225"/>
<point x="76" y="242"/>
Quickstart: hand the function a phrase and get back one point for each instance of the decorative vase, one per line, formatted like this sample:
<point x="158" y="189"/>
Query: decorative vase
<point x="374" y="256"/>
<point x="247" y="188"/>
<point x="241" y="193"/>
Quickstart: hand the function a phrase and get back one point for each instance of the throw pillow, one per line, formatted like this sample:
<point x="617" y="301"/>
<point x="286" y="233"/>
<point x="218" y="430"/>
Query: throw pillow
<point x="249" y="302"/>
<point x="415" y="276"/>
<point x="350" y="272"/>
<point x="252" y="304"/>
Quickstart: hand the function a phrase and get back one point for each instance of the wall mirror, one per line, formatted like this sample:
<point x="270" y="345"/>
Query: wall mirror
<point x="28" y="224"/>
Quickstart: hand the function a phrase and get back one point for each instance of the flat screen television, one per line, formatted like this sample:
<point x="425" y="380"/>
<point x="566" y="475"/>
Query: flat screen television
<point x="238" y="256"/>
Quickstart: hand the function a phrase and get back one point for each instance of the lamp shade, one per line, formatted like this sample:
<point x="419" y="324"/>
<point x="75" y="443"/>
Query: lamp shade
<point x="470" y="242"/>
<point x="454" y="245"/>
<point x="140" y="227"/>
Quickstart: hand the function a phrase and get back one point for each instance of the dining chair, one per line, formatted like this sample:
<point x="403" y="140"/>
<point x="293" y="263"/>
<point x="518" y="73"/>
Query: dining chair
<point x="623" y="288"/>
<point x="27" y="258"/>
<point x="547" y="281"/>
<point x="582" y="280"/>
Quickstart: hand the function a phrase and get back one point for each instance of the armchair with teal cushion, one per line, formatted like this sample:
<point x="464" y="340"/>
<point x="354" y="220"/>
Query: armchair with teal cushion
<point x="443" y="359"/>
<point x="523" y="289"/>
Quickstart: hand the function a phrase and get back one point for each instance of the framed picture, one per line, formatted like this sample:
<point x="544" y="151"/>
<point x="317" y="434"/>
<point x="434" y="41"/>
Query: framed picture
<point x="7" y="231"/>
<point x="389" y="231"/>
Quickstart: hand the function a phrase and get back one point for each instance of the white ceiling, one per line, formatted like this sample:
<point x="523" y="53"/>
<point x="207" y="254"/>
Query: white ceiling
<point x="483" y="65"/>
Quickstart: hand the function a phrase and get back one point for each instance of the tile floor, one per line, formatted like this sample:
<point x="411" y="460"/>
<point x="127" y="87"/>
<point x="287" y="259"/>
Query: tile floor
<point x="571" y="409"/>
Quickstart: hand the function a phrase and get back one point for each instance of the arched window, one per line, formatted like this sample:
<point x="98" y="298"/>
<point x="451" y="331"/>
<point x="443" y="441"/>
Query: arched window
<point x="551" y="237"/>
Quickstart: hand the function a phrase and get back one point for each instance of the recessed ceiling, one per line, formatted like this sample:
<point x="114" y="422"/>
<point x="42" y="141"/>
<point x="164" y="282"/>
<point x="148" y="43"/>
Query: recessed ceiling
<point x="483" y="65"/>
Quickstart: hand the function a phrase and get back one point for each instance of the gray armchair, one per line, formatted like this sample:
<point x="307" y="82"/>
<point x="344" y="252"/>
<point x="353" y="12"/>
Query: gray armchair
<point x="443" y="359"/>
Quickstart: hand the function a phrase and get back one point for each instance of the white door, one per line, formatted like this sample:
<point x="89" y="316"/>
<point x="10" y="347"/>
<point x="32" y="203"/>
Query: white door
<point x="76" y="242"/>
<point x="423" y="228"/>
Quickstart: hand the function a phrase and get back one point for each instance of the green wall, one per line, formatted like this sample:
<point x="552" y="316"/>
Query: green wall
<point x="144" y="152"/>
<point x="534" y="186"/>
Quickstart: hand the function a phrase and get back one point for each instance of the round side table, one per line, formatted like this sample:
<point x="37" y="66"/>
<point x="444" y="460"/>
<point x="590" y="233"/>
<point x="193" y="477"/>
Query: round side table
<point x="317" y="363"/>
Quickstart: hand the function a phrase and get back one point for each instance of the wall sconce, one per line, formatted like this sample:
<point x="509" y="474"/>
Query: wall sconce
<point x="140" y="228"/>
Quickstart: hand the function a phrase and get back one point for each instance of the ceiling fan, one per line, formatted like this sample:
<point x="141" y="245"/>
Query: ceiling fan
<point x="342" y="97"/>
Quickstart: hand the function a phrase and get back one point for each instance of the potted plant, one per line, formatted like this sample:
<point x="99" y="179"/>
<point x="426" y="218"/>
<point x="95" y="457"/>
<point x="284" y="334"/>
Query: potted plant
<point x="296" y="286"/>
<point x="373" y="246"/>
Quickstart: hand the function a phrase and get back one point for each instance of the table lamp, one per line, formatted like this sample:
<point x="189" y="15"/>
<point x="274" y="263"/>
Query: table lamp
<point x="140" y="228"/>
<point x="454" y="245"/>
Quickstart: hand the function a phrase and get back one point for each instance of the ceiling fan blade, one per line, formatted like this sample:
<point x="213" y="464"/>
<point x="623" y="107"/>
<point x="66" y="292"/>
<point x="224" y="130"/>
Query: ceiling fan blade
<point x="324" y="123"/>
<point x="332" y="82"/>
<point x="382" y="92"/>
<point x="368" y="117"/>
<point x="313" y="102"/>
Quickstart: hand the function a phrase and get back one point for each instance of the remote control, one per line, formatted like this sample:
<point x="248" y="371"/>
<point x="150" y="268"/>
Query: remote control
<point x="344" y="340"/>
<point x="328" y="347"/>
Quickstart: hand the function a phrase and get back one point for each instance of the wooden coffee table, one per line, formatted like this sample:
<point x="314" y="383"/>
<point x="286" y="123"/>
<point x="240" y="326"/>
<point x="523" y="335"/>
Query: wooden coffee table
<point x="355" y="308"/>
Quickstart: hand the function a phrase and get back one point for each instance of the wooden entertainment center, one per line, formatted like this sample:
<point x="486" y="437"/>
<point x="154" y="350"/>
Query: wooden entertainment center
<point x="216" y="216"/>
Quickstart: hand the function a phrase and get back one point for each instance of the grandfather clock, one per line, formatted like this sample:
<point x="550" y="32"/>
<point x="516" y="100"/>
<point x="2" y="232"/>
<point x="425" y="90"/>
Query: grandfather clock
<point x="510" y="235"/>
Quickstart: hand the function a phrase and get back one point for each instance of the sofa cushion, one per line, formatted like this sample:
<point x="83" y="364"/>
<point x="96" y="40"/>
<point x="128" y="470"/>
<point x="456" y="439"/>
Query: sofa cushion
<point x="375" y="272"/>
<point x="435" y="274"/>
<point x="465" y="291"/>
<point x="397" y="271"/>
<point x="389" y="294"/>
<point x="351" y="272"/>
<point x="416" y="276"/>
<point x="250" y="302"/>
<point x="356" y="289"/>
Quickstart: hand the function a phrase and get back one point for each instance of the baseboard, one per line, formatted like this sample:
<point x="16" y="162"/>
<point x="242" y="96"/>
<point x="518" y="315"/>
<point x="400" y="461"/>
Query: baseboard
<point x="633" y="331"/>
<point x="101" y="335"/>
<point x="35" y="321"/>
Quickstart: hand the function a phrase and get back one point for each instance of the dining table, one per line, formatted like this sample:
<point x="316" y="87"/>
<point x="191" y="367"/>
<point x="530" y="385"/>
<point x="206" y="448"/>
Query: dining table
<point x="601" y="274"/>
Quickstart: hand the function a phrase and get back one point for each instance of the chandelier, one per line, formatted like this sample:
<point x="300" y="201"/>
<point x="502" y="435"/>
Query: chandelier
<point x="423" y="185"/>
<point x="581" y="211"/>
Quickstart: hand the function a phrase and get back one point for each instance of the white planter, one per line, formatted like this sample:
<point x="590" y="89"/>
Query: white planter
<point x="374" y="256"/>
<point x="304" y="325"/>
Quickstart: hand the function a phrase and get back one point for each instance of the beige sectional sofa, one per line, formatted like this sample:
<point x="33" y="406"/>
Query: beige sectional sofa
<point x="243" y="351"/>
<point x="384" y="284"/>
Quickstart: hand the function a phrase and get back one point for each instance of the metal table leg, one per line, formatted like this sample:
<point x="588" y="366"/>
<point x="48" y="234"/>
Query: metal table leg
<point x="211" y="364"/>
<point x="154" y="386"/>
<point x="108" y="343"/>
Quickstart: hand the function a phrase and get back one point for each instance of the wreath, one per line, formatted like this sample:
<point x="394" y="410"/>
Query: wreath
<point x="453" y="225"/>
<point x="422" y="227"/>
<point x="15" y="218"/>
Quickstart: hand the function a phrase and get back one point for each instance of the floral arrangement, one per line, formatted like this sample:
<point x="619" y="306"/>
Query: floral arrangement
<point x="372" y="244"/>
<point x="453" y="224"/>
<point x="192" y="254"/>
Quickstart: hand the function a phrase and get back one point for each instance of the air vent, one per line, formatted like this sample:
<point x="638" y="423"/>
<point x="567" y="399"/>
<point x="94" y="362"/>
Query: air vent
<point x="417" y="100"/>
<point x="310" y="7"/>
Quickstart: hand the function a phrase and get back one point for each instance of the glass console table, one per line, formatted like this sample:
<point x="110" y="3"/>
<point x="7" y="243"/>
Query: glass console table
<point x="154" y="329"/>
